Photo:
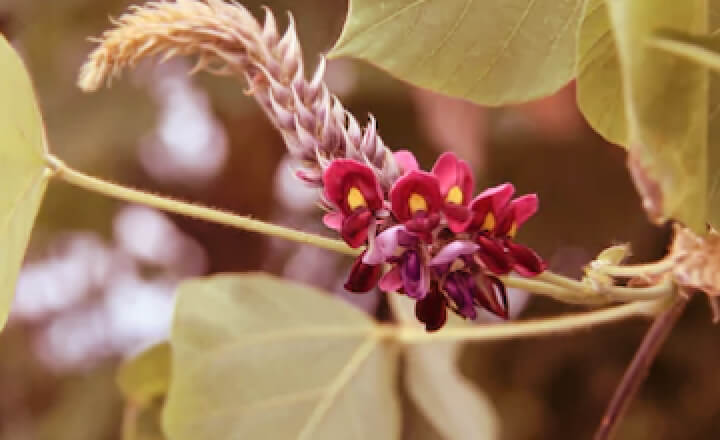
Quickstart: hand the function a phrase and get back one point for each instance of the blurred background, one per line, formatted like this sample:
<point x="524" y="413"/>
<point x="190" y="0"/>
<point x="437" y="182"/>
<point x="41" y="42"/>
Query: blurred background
<point x="98" y="282"/>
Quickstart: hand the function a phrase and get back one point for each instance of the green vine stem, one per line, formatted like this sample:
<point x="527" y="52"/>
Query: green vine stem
<point x="539" y="327"/>
<point x="636" y="270"/>
<point x="548" y="283"/>
<point x="109" y="189"/>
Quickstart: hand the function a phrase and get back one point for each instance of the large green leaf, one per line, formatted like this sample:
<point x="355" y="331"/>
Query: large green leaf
<point x="146" y="376"/>
<point x="259" y="358"/>
<point x="599" y="87"/>
<point x="704" y="50"/>
<point x="23" y="178"/>
<point x="649" y="101"/>
<point x="451" y="403"/>
<point x="491" y="52"/>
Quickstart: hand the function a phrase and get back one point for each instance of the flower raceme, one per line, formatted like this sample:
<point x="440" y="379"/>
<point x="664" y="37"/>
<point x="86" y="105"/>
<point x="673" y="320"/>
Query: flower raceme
<point x="443" y="248"/>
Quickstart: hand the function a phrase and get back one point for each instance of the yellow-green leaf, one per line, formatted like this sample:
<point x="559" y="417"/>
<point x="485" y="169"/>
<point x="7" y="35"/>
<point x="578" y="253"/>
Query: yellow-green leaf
<point x="491" y="52"/>
<point x="143" y="423"/>
<point x="146" y="376"/>
<point x="23" y="178"/>
<point x="666" y="102"/>
<point x="259" y="358"/>
<point x="649" y="101"/>
<point x="701" y="49"/>
<point x="454" y="406"/>
<point x="599" y="87"/>
<point x="704" y="50"/>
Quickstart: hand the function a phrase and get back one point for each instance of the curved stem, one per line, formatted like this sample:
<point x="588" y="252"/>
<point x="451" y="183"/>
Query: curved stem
<point x="639" y="368"/>
<point x="635" y="270"/>
<point x="620" y="293"/>
<point x="82" y="180"/>
<point x="575" y="292"/>
<point x="561" y="280"/>
<point x="534" y="285"/>
<point x="540" y="327"/>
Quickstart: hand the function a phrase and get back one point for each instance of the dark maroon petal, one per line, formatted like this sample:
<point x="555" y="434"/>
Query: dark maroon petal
<point x="490" y="294"/>
<point x="342" y="175"/>
<point x="355" y="227"/>
<point x="458" y="286"/>
<point x="526" y="261"/>
<point x="363" y="277"/>
<point x="431" y="311"/>
<point x="451" y="172"/>
<point x="457" y="216"/>
<point x="415" y="275"/>
<point x="422" y="225"/>
<point x="415" y="182"/>
<point x="493" y="256"/>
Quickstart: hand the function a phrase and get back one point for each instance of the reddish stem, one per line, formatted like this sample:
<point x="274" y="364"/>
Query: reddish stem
<point x="639" y="368"/>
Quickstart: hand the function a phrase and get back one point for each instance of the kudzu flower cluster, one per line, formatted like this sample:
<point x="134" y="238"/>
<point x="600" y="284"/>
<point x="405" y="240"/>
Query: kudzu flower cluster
<point x="443" y="247"/>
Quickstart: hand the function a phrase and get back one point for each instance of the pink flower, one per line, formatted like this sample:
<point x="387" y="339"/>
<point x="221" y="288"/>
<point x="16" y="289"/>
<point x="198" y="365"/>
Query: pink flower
<point x="456" y="185"/>
<point x="353" y="189"/>
<point x="416" y="202"/>
<point x="496" y="219"/>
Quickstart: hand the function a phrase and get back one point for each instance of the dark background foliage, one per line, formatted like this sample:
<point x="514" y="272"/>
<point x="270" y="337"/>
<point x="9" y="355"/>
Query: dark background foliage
<point x="54" y="384"/>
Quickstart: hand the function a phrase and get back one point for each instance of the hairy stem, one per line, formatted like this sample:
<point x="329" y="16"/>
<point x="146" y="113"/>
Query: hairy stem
<point x="201" y="212"/>
<point x="540" y="327"/>
<point x="639" y="368"/>
<point x="550" y="284"/>
<point x="636" y="270"/>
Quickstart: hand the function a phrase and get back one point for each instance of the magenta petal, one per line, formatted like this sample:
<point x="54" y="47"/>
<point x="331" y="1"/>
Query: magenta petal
<point x="406" y="161"/>
<point x="355" y="227"/>
<point x="333" y="220"/>
<point x="526" y="261"/>
<point x="453" y="250"/>
<point x="392" y="280"/>
<point x="524" y="207"/>
<point x="418" y="182"/>
<point x="431" y="311"/>
<point x="492" y="255"/>
<point x="363" y="277"/>
<point x="451" y="172"/>
<point x="500" y="195"/>
<point x="343" y="174"/>
<point x="445" y="169"/>
<point x="457" y="216"/>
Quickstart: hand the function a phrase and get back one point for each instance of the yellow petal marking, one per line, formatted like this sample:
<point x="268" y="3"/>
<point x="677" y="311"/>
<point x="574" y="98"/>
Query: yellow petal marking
<point x="455" y="195"/>
<point x="489" y="223"/>
<point x="417" y="203"/>
<point x="355" y="199"/>
<point x="513" y="230"/>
